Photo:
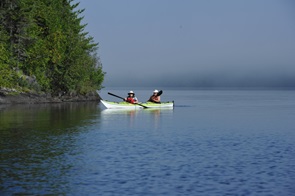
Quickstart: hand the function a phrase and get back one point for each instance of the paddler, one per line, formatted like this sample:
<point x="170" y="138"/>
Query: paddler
<point x="131" y="98"/>
<point x="155" y="98"/>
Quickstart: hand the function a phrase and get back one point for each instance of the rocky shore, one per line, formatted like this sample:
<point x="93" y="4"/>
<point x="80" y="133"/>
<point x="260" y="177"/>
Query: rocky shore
<point x="11" y="96"/>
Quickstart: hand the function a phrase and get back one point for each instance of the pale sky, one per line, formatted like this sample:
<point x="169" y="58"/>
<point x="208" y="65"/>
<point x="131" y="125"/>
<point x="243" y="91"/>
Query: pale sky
<point x="194" y="43"/>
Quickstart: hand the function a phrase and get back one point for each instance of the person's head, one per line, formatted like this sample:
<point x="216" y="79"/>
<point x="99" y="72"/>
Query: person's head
<point x="131" y="94"/>
<point x="155" y="92"/>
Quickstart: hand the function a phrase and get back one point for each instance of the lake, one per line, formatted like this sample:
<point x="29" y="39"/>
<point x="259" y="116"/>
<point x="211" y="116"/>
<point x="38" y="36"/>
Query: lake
<point x="214" y="142"/>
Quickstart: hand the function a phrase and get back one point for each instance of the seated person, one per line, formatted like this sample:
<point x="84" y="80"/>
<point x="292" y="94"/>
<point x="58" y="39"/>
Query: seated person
<point x="131" y="98"/>
<point x="155" y="97"/>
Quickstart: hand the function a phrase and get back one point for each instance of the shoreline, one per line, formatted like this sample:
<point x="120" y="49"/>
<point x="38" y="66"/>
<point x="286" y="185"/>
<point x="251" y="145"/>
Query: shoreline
<point x="34" y="98"/>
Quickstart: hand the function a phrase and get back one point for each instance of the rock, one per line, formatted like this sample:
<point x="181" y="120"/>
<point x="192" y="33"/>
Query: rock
<point x="6" y="97"/>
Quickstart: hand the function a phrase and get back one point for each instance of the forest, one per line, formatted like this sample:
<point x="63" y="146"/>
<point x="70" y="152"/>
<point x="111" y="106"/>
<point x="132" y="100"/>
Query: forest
<point x="44" y="48"/>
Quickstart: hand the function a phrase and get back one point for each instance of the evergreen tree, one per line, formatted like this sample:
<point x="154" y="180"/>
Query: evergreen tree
<point x="45" y="39"/>
<point x="7" y="72"/>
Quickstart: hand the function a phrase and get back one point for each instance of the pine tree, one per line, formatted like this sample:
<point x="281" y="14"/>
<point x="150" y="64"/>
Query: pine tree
<point x="45" y="39"/>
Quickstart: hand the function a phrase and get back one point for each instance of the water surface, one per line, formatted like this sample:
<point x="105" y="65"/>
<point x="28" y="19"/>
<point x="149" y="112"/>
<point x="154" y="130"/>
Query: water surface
<point x="212" y="143"/>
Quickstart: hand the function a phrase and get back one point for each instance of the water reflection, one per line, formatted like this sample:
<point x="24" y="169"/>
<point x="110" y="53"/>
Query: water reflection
<point x="46" y="117"/>
<point x="35" y="142"/>
<point x="148" y="117"/>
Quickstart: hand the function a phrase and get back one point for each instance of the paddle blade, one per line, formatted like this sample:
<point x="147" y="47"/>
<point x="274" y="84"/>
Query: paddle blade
<point x="160" y="93"/>
<point x="145" y="107"/>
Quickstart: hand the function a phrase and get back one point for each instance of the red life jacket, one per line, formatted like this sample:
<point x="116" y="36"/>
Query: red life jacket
<point x="130" y="100"/>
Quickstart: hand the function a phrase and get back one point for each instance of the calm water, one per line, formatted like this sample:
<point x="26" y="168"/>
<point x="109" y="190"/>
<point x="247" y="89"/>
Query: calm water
<point x="211" y="143"/>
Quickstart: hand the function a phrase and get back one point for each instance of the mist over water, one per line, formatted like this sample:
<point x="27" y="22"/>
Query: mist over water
<point x="263" y="78"/>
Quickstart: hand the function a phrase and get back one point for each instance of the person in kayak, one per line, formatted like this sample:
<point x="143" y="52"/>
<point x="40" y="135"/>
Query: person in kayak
<point x="155" y="97"/>
<point x="131" y="98"/>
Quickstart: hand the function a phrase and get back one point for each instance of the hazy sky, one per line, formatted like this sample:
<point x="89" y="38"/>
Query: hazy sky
<point x="194" y="43"/>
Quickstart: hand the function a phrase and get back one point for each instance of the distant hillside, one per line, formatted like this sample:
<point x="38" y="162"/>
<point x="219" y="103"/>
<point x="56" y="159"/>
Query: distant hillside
<point x="44" y="48"/>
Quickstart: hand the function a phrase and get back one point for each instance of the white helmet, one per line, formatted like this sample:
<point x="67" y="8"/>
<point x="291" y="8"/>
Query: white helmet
<point x="156" y="91"/>
<point x="131" y="92"/>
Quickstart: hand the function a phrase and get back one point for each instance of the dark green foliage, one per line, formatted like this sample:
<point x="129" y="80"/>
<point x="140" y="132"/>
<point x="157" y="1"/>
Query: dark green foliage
<point x="45" y="40"/>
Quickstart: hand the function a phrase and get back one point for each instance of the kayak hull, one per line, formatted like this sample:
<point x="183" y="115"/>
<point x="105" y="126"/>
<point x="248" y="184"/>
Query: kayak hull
<point x="126" y="105"/>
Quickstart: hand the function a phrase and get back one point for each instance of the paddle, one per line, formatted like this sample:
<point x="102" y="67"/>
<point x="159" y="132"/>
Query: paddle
<point x="159" y="93"/>
<point x="124" y="100"/>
